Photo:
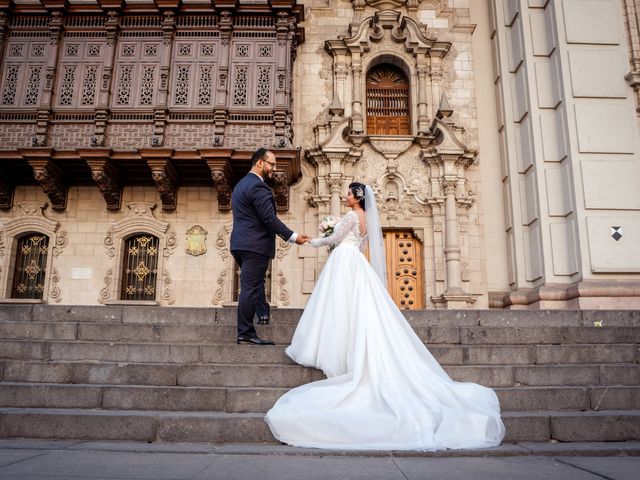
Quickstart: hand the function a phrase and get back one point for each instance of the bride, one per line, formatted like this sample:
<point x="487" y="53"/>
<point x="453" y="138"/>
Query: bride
<point x="384" y="390"/>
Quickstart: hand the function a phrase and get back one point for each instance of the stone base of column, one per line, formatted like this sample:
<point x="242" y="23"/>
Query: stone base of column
<point x="454" y="300"/>
<point x="586" y="295"/>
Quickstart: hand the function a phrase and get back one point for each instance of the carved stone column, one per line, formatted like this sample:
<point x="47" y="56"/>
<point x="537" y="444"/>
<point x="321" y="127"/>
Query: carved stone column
<point x="335" y="187"/>
<point x="225" y="25"/>
<point x="111" y="26"/>
<point x="436" y="77"/>
<point x="105" y="174"/>
<point x="451" y="247"/>
<point x="52" y="180"/>
<point x="357" y="122"/>
<point x="423" y="114"/>
<point x="44" y="109"/>
<point x="164" y="175"/>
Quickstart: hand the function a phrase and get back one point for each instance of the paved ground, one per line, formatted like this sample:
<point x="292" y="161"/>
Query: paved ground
<point x="55" y="460"/>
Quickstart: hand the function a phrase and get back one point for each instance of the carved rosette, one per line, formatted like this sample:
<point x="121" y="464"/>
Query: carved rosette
<point x="52" y="181"/>
<point x="109" y="181"/>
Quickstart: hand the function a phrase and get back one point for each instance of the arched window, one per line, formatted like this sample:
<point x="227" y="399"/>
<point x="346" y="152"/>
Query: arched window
<point x="140" y="268"/>
<point x="30" y="268"/>
<point x="387" y="101"/>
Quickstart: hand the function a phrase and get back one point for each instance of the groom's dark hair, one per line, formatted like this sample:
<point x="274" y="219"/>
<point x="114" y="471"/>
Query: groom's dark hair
<point x="357" y="189"/>
<point x="259" y="154"/>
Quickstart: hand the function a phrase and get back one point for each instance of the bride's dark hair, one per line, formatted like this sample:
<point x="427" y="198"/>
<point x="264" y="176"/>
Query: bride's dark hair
<point x="357" y="189"/>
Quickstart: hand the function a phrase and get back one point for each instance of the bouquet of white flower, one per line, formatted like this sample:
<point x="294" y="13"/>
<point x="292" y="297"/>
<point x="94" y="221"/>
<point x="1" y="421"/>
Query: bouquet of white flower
<point x="326" y="227"/>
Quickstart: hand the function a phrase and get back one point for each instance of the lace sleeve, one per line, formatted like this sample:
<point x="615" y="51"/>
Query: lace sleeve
<point x="339" y="232"/>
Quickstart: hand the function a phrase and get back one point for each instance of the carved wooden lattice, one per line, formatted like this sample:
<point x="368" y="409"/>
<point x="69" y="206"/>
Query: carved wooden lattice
<point x="140" y="268"/>
<point x="30" y="268"/>
<point x="387" y="101"/>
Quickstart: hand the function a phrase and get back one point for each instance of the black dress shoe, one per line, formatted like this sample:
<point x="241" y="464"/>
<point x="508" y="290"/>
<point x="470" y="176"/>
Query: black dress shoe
<point x="253" y="339"/>
<point x="263" y="320"/>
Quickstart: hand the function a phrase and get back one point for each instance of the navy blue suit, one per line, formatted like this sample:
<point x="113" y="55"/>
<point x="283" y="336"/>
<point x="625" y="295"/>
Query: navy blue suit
<point x="253" y="244"/>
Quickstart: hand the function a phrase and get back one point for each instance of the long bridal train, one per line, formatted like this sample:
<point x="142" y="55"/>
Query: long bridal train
<point x="384" y="390"/>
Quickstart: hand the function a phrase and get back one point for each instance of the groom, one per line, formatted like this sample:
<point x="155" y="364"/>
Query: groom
<point x="253" y="239"/>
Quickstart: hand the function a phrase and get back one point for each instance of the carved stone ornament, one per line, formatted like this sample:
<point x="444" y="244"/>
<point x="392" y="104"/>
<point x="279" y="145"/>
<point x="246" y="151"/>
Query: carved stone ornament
<point x="170" y="245"/>
<point x="60" y="243"/>
<point x="55" y="293"/>
<point x="52" y="181"/>
<point x="281" y="190"/>
<point x="283" y="295"/>
<point x="166" y="178"/>
<point x="167" y="291"/>
<point x="7" y="189"/>
<point x="196" y="237"/>
<point x="109" y="181"/>
<point x="220" y="174"/>
<point x="105" y="293"/>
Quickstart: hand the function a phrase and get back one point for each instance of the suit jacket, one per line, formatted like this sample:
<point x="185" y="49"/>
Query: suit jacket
<point x="255" y="223"/>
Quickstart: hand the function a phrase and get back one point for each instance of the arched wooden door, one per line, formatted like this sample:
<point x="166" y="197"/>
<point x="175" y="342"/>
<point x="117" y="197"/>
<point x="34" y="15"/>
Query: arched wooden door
<point x="387" y="101"/>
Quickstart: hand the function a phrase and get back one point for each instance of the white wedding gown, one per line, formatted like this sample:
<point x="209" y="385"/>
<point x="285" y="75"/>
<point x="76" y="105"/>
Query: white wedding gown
<point x="384" y="390"/>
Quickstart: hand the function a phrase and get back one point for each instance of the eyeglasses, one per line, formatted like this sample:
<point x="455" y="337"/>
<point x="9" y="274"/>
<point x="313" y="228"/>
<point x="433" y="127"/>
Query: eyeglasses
<point x="273" y="164"/>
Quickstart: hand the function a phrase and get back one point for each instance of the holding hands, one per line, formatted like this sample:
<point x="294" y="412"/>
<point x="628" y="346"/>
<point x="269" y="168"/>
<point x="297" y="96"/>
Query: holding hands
<point x="302" y="239"/>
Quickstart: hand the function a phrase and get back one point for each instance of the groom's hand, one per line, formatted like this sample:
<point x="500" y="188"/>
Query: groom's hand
<point x="302" y="239"/>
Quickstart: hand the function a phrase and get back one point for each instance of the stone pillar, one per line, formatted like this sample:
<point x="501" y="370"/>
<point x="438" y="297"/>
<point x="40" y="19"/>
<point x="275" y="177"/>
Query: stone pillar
<point x="451" y="247"/>
<point x="423" y="115"/>
<point x="357" y="122"/>
<point x="335" y="186"/>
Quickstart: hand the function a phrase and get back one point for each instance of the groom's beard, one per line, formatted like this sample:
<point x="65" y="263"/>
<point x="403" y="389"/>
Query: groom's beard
<point x="268" y="179"/>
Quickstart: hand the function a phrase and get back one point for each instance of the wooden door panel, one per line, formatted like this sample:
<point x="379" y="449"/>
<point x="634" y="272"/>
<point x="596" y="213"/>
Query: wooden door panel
<point x="405" y="277"/>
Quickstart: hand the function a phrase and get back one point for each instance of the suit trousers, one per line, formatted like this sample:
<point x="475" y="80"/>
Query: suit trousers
<point x="253" y="267"/>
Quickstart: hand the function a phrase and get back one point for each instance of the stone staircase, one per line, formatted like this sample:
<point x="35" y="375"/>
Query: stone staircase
<point x="176" y="374"/>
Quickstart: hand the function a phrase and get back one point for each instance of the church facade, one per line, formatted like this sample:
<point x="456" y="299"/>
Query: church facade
<point x="500" y="137"/>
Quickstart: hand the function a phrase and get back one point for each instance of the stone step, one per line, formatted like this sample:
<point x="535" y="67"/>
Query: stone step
<point x="137" y="397"/>
<point x="218" y="427"/>
<point x="185" y="353"/>
<point x="251" y="374"/>
<point x="186" y="316"/>
<point x="282" y="333"/>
